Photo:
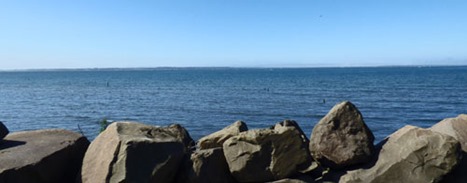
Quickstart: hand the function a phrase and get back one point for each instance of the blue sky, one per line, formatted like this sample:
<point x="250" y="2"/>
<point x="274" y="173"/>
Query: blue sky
<point x="239" y="33"/>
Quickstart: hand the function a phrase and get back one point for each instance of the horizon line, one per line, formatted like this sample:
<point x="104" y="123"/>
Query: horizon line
<point x="224" y="67"/>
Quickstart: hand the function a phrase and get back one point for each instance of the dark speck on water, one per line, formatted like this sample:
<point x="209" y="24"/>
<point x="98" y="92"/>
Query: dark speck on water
<point x="205" y="100"/>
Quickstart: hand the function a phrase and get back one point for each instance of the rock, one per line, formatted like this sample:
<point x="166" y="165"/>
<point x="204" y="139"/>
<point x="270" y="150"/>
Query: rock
<point x="342" y="139"/>
<point x="455" y="127"/>
<point x="218" y="138"/>
<point x="42" y="156"/>
<point x="178" y="132"/>
<point x="206" y="166"/>
<point x="411" y="154"/>
<point x="134" y="152"/>
<point x="267" y="154"/>
<point x="3" y="131"/>
<point x="298" y="179"/>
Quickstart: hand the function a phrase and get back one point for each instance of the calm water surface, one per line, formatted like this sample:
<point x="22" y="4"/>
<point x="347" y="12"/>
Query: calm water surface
<point x="205" y="100"/>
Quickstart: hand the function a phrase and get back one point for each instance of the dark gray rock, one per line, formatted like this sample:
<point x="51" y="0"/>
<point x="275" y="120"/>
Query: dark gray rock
<point x="41" y="156"/>
<point x="218" y="138"/>
<point x="411" y="155"/>
<point x="206" y="166"/>
<point x="342" y="139"/>
<point x="134" y="152"/>
<point x="3" y="131"/>
<point x="267" y="154"/>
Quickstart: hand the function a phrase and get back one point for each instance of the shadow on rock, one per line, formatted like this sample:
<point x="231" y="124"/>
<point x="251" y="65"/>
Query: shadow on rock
<point x="5" y="144"/>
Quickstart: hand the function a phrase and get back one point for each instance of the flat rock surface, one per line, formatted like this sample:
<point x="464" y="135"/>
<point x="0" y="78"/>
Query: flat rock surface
<point x="41" y="156"/>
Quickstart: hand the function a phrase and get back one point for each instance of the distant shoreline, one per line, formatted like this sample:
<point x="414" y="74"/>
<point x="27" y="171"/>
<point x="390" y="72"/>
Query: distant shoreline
<point x="219" y="68"/>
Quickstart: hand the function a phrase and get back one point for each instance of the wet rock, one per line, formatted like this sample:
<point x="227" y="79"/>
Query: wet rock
<point x="341" y="138"/>
<point x="134" y="152"/>
<point x="41" y="156"/>
<point x="411" y="155"/>
<point x="3" y="131"/>
<point x="267" y="154"/>
<point x="206" y="166"/>
<point x="218" y="138"/>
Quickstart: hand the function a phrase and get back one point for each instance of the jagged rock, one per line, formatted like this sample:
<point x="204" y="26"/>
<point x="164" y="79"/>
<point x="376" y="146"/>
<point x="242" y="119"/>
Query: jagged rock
<point x="218" y="138"/>
<point x="341" y="138"/>
<point x="411" y="154"/>
<point x="457" y="128"/>
<point x="3" y="131"/>
<point x="206" y="166"/>
<point x="134" y="152"/>
<point x="178" y="132"/>
<point x="267" y="154"/>
<point x="42" y="156"/>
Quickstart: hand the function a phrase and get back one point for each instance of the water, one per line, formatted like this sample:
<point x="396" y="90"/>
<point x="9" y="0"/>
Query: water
<point x="205" y="100"/>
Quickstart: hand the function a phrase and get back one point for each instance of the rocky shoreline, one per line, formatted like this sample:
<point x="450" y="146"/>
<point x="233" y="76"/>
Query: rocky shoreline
<point x="340" y="148"/>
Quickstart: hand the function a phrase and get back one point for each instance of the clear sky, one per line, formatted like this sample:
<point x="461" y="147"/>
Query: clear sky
<point x="242" y="33"/>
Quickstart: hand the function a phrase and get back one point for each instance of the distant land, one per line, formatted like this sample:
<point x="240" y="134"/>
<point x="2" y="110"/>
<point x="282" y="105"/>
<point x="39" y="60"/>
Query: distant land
<point x="216" y="68"/>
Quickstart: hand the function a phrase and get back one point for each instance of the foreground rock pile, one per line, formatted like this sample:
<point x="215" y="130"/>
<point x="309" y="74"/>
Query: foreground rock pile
<point x="340" y="149"/>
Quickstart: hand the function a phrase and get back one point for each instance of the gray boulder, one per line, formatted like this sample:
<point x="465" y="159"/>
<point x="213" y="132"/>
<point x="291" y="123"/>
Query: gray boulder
<point x="134" y="152"/>
<point x="218" y="138"/>
<point x="341" y="138"/>
<point x="42" y="156"/>
<point x="267" y="154"/>
<point x="411" y="154"/>
<point x="457" y="128"/>
<point x="3" y="131"/>
<point x="206" y="166"/>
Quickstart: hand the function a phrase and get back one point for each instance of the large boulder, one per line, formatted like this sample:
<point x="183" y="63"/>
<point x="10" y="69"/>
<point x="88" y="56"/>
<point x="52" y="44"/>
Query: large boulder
<point x="341" y="138"/>
<point x="218" y="138"/>
<point x="134" y="152"/>
<point x="457" y="128"/>
<point x="411" y="154"/>
<point x="42" y="156"/>
<point x="267" y="154"/>
<point x="3" y="131"/>
<point x="206" y="166"/>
